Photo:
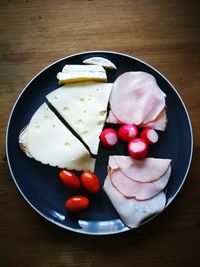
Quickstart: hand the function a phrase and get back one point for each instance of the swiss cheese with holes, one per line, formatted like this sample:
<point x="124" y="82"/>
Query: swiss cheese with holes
<point x="84" y="107"/>
<point x="50" y="142"/>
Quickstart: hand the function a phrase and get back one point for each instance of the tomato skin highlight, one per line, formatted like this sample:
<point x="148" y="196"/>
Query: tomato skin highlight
<point x="69" y="179"/>
<point x="90" y="181"/>
<point x="77" y="203"/>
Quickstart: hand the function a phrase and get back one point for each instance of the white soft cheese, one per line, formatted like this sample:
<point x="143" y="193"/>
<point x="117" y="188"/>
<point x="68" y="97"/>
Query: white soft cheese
<point x="78" y="73"/>
<point x="50" y="142"/>
<point x="104" y="62"/>
<point x="83" y="106"/>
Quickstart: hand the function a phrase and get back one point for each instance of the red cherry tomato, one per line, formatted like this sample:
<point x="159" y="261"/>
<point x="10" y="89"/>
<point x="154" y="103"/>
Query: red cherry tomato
<point x="90" y="181"/>
<point x="69" y="179"/>
<point x="77" y="203"/>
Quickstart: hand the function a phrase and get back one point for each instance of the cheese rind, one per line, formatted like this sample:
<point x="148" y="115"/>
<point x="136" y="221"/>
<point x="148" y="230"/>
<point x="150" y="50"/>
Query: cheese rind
<point x="50" y="142"/>
<point x="84" y="107"/>
<point x="78" y="73"/>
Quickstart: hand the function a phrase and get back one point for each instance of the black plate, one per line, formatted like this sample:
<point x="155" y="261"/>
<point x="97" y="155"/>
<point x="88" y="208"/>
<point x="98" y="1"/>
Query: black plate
<point x="39" y="183"/>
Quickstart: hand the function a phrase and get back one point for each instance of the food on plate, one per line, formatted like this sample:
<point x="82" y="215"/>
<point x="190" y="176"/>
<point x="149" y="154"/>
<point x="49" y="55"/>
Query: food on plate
<point x="83" y="106"/>
<point x="67" y="131"/>
<point x="138" y="148"/>
<point x="90" y="182"/>
<point x="108" y="137"/>
<point x="77" y="203"/>
<point x="80" y="73"/>
<point x="159" y="123"/>
<point x="69" y="179"/>
<point x="137" y="99"/>
<point x="112" y="118"/>
<point x="141" y="170"/>
<point x="23" y="141"/>
<point x="104" y="62"/>
<point x="149" y="135"/>
<point x="127" y="132"/>
<point x="50" y="142"/>
<point x="133" y="189"/>
<point x="131" y="211"/>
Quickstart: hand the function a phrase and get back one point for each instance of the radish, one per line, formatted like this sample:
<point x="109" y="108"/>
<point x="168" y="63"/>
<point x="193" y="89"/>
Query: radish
<point x="127" y="132"/>
<point x="138" y="148"/>
<point x="149" y="135"/>
<point x="108" y="137"/>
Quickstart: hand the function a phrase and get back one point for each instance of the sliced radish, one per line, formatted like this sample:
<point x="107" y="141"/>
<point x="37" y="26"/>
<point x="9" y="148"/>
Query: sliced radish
<point x="108" y="137"/>
<point x="127" y="132"/>
<point x="138" y="148"/>
<point x="149" y="135"/>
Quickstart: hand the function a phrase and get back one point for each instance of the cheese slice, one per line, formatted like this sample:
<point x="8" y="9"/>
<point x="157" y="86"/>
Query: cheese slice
<point x="78" y="73"/>
<point x="83" y="106"/>
<point x="50" y="142"/>
<point x="104" y="62"/>
<point x="23" y="141"/>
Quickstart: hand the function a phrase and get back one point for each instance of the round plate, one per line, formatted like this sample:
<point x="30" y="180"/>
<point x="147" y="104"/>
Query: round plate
<point x="39" y="184"/>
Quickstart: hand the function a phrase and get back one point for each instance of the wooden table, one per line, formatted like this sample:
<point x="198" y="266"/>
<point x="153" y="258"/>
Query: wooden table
<point x="162" y="33"/>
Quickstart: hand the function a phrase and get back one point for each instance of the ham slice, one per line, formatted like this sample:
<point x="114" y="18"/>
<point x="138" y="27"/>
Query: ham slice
<point x="159" y="123"/>
<point x="112" y="119"/>
<point x="136" y="98"/>
<point x="142" y="170"/>
<point x="140" y="191"/>
<point x="131" y="211"/>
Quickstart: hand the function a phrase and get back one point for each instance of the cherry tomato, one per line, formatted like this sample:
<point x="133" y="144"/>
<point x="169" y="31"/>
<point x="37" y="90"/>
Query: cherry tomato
<point x="77" y="203"/>
<point x="90" y="181"/>
<point x="69" y="179"/>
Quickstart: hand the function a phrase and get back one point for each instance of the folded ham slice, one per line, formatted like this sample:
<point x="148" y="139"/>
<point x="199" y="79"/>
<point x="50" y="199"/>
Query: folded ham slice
<point x="131" y="211"/>
<point x="159" y="123"/>
<point x="142" y="170"/>
<point x="140" y="191"/>
<point x="136" y="99"/>
<point x="112" y="119"/>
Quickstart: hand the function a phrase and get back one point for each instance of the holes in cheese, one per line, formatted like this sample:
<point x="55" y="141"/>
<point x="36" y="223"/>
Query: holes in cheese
<point x="54" y="144"/>
<point x="83" y="115"/>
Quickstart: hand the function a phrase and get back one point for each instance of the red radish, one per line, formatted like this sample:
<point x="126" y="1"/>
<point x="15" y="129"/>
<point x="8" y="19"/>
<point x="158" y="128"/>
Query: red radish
<point x="149" y="135"/>
<point x="138" y="148"/>
<point x="108" y="137"/>
<point x="127" y="132"/>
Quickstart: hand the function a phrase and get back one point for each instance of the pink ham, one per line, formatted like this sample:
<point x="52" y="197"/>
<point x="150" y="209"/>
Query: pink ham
<point x="159" y="123"/>
<point x="112" y="119"/>
<point x="142" y="170"/>
<point x="136" y="98"/>
<point x="140" y="191"/>
<point x="131" y="211"/>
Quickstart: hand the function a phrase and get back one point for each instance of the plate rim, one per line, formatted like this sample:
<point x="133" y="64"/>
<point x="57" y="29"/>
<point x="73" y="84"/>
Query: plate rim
<point x="81" y="231"/>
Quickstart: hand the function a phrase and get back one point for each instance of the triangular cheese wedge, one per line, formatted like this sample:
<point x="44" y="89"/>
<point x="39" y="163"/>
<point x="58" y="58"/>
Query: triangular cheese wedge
<point x="83" y="106"/>
<point x="50" y="142"/>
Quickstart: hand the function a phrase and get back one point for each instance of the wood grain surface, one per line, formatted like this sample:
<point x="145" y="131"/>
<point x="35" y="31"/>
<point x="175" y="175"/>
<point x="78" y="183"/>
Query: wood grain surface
<point x="163" y="33"/>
